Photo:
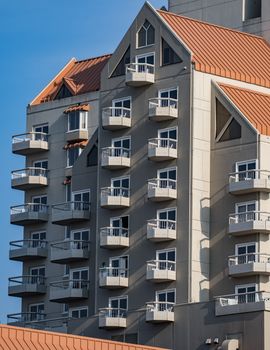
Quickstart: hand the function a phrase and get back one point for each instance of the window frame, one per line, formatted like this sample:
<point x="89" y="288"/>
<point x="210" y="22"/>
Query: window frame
<point x="120" y="178"/>
<point x="165" y="291"/>
<point x="68" y="156"/>
<point x="146" y="31"/>
<point x="167" y="250"/>
<point x="147" y="54"/>
<point x="239" y="245"/>
<point x="111" y="258"/>
<point x="40" y="161"/>
<point x="244" y="19"/>
<point x="167" y="170"/>
<point x="118" y="299"/>
<point x="80" y="230"/>
<point x="34" y="127"/>
<point x="81" y="113"/>
<point x="79" y="269"/>
<point x="237" y="205"/>
<point x="38" y="233"/>
<point x="70" y="310"/>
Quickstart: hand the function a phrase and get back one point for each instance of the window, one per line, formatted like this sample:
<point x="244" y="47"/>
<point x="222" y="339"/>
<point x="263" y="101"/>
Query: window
<point x="41" y="164"/>
<point x="37" y="275"/>
<point x="36" y="312"/>
<point x="120" y="306"/>
<point x="245" y="252"/>
<point x="167" y="218"/>
<point x="121" y="147"/>
<point x="78" y="277"/>
<point x="245" y="170"/>
<point x="147" y="62"/>
<point x="120" y="266"/>
<point x="131" y="338"/>
<point x="120" y="186"/>
<point x="63" y="92"/>
<point x="121" y="107"/>
<point x="252" y="9"/>
<point x="92" y="157"/>
<point x="168" y="138"/>
<point x="168" y="97"/>
<point x="165" y="299"/>
<point x="232" y="132"/>
<point x="65" y="309"/>
<point x="166" y="259"/>
<point x="68" y="192"/>
<point x="146" y="35"/>
<point x="77" y="120"/>
<point x="227" y="128"/>
<point x="66" y="270"/>
<point x="78" y="237"/>
<point x="44" y="128"/>
<point x="245" y="293"/>
<point x="73" y="155"/>
<point x="81" y="199"/>
<point x="36" y="237"/>
<point x="168" y="55"/>
<point x="245" y="211"/>
<point x="40" y="203"/>
<point x="120" y="225"/>
<point x="80" y="312"/>
<point x="121" y="67"/>
<point x="167" y="178"/>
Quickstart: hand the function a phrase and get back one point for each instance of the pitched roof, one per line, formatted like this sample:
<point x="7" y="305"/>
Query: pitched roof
<point x="222" y="51"/>
<point x="28" y="339"/>
<point x="74" y="108"/>
<point x="254" y="105"/>
<point x="79" y="77"/>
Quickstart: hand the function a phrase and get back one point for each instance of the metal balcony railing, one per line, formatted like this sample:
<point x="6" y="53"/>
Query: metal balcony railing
<point x="140" y="68"/>
<point x="249" y="258"/>
<point x="31" y="171"/>
<point x="70" y="284"/>
<point x="28" y="208"/>
<point x="26" y="279"/>
<point x="242" y="298"/>
<point x="121" y="112"/>
<point x="254" y="174"/>
<point x="26" y="317"/>
<point x="115" y="192"/>
<point x="71" y="245"/>
<point x="161" y="265"/>
<point x="115" y="152"/>
<point x="72" y="206"/>
<point x="30" y="136"/>
<point x="114" y="232"/>
<point x="163" y="102"/>
<point x="113" y="272"/>
<point x="112" y="312"/>
<point x="159" y="306"/>
<point x="162" y="143"/>
<point x="161" y="183"/>
<point x="162" y="224"/>
<point x="242" y="217"/>
<point x="28" y="243"/>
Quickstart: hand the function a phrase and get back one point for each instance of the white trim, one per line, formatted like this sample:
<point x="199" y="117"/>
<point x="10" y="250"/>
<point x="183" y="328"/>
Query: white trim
<point x="167" y="250"/>
<point x="137" y="35"/>
<point x="166" y="210"/>
<point x="78" y="269"/>
<point x="166" y="170"/>
<point x="165" y="291"/>
<point x="124" y="177"/>
<point x="40" y="161"/>
<point x="239" y="245"/>
<point x="169" y="129"/>
<point x="168" y="90"/>
<point x="80" y="230"/>
<point x="118" y="298"/>
<point x="246" y="162"/>
<point x="118" y="258"/>
<point x="40" y="126"/>
<point x="122" y="99"/>
<point x="35" y="268"/>
<point x="122" y="138"/>
<point x="80" y="121"/>
<point x="78" y="309"/>
<point x="81" y="192"/>
<point x="148" y="54"/>
<point x="245" y="286"/>
<point x="118" y="218"/>
<point x="72" y="149"/>
<point x="38" y="232"/>
<point x="246" y="203"/>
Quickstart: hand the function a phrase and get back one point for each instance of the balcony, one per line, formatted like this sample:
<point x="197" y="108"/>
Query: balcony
<point x="162" y="109"/>
<point x="140" y="74"/>
<point x="65" y="252"/>
<point x="112" y="318"/>
<point x="114" y="237"/>
<point x="29" y="178"/>
<point x="70" y="212"/>
<point x="242" y="303"/>
<point x="77" y="135"/>
<point x="244" y="182"/>
<point x="69" y="290"/>
<point x="20" y="319"/>
<point x="249" y="223"/>
<point x="160" y="271"/>
<point x="161" y="230"/>
<point x="28" y="249"/>
<point x="162" y="149"/>
<point x="160" y="190"/>
<point x="159" y="312"/>
<point x="113" y="277"/>
<point x="29" y="143"/>
<point x="249" y="265"/>
<point x="27" y="285"/>
<point x="28" y="214"/>
<point x="116" y="118"/>
<point x="115" y="197"/>
<point x="115" y="158"/>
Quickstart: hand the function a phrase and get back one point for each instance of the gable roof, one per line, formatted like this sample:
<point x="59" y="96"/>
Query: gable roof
<point x="79" y="77"/>
<point x="254" y="105"/>
<point x="222" y="51"/>
<point x="28" y="339"/>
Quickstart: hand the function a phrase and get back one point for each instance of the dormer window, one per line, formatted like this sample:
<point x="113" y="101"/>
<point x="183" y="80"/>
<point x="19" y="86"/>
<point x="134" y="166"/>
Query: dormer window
<point x="146" y="35"/>
<point x="77" y="120"/>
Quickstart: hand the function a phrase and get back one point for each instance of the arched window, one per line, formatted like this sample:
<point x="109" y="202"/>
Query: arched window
<point x="146" y="35"/>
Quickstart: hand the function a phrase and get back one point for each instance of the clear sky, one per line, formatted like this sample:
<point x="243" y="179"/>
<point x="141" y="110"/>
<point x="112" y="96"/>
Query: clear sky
<point x="37" y="38"/>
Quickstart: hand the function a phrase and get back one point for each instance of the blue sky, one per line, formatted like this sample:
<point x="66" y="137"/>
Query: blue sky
<point x="37" y="38"/>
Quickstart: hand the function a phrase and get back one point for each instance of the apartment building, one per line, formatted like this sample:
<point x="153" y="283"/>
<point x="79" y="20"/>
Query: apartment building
<point x="251" y="16"/>
<point x="177" y="250"/>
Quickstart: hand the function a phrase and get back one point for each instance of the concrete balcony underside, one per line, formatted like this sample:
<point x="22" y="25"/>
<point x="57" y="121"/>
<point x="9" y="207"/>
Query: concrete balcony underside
<point x="159" y="276"/>
<point x="263" y="305"/>
<point x="67" y="217"/>
<point x="249" y="227"/>
<point x="28" y="253"/>
<point x="114" y="202"/>
<point x="28" y="218"/>
<point x="160" y="114"/>
<point x="249" y="269"/>
<point x="114" y="242"/>
<point x="159" y="316"/>
<point x="75" y="135"/>
<point x="158" y="194"/>
<point x="30" y="147"/>
<point x="64" y="256"/>
<point x="158" y="234"/>
<point x="112" y="322"/>
<point x="249" y="186"/>
<point x="29" y="182"/>
<point x="138" y="79"/>
<point x="63" y="295"/>
<point x="113" y="282"/>
<point x="116" y="123"/>
<point x="26" y="289"/>
<point x="159" y="154"/>
<point x="115" y="162"/>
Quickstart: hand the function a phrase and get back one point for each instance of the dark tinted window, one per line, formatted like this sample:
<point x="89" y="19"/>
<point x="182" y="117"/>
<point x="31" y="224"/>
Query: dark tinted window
<point x="92" y="157"/>
<point x="232" y="132"/>
<point x="63" y="92"/>
<point x="168" y="55"/>
<point x="146" y="35"/>
<point x="121" y="67"/>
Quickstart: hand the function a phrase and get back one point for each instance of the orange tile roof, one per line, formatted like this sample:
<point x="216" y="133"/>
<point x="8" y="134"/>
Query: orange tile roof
<point x="222" y="51"/>
<point x="254" y="105"/>
<point x="77" y="108"/>
<point x="79" y="76"/>
<point x="76" y="144"/>
<point x="15" y="338"/>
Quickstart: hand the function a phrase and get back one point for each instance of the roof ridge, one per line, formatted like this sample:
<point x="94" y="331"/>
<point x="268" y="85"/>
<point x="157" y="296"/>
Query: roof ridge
<point x="214" y="25"/>
<point x="243" y="88"/>
<point x="93" y="58"/>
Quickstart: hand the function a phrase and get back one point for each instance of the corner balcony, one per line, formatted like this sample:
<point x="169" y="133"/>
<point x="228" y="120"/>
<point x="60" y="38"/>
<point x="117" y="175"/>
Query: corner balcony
<point x="69" y="290"/>
<point x="70" y="212"/>
<point x="115" y="158"/>
<point x="160" y="271"/>
<point x="115" y="198"/>
<point x="160" y="190"/>
<point x="113" y="277"/>
<point x="28" y="249"/>
<point x="20" y="319"/>
<point x="162" y="109"/>
<point x="114" y="237"/>
<point x="28" y="285"/>
<point x="249" y="223"/>
<point x="29" y="178"/>
<point x="140" y="74"/>
<point x="249" y="265"/>
<point x="30" y="143"/>
<point x="159" y="312"/>
<point x="244" y="182"/>
<point x="116" y="118"/>
<point x="162" y="149"/>
<point x="242" y="303"/>
<point x="161" y="230"/>
<point x="77" y="135"/>
<point x="65" y="252"/>
<point x="112" y="318"/>
<point x="28" y="214"/>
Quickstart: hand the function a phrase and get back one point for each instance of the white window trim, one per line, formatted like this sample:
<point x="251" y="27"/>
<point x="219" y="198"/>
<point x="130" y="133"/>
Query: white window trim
<point x="120" y="178"/>
<point x="239" y="245"/>
<point x="78" y="309"/>
<point x="80" y="151"/>
<point x="118" y="258"/>
<point x="166" y="169"/>
<point x="80" y="122"/>
<point x="118" y="298"/>
<point x="35" y="268"/>
<point x="237" y="205"/>
<point x="246" y="286"/>
<point x="168" y="90"/>
<point x="237" y="164"/>
<point x="40" y="196"/>
<point x="39" y="161"/>
<point x="38" y="232"/>
<point x="39" y="126"/>
<point x="78" y="269"/>
<point x="122" y="138"/>
<point x="165" y="251"/>
<point x="145" y="55"/>
<point x="80" y="230"/>
<point x="87" y="190"/>
<point x="122" y="99"/>
<point x="137" y="36"/>
<point x="169" y="129"/>
<point x="118" y="218"/>
<point x="166" y="210"/>
<point x="165" y="291"/>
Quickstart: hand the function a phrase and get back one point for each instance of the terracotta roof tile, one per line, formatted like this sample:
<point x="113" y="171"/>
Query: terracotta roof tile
<point x="83" y="107"/>
<point x="76" y="144"/>
<point x="15" y="338"/>
<point x="79" y="76"/>
<point x="254" y="105"/>
<point x="222" y="51"/>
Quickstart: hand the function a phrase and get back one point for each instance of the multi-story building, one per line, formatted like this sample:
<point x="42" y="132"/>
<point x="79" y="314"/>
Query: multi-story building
<point x="162" y="232"/>
<point x="251" y="16"/>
